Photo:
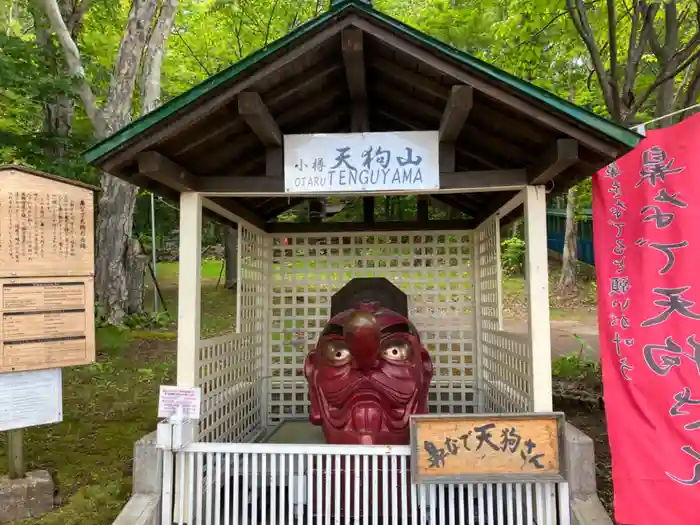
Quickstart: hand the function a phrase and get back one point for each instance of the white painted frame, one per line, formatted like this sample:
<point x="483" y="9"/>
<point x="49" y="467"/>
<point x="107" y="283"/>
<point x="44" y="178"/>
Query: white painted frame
<point x="191" y="204"/>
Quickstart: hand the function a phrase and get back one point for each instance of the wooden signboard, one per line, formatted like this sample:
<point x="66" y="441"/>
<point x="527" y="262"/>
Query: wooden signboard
<point x="46" y="271"/>
<point x="487" y="447"/>
<point x="46" y="225"/>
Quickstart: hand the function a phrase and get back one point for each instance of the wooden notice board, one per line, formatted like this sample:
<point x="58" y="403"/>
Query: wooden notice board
<point x="46" y="226"/>
<point x="46" y="271"/>
<point x="487" y="447"/>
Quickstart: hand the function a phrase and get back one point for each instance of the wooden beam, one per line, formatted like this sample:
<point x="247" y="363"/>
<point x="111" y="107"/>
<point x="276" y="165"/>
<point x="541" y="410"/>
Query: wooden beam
<point x="556" y="160"/>
<point x="280" y="96"/>
<point x="354" y="60"/>
<point x="161" y="169"/>
<point x="479" y="140"/>
<point x="274" y="163"/>
<point x="492" y="89"/>
<point x="457" y="109"/>
<point x="321" y="105"/>
<point x="368" y="209"/>
<point x="393" y="226"/>
<point x="408" y="77"/>
<point x="411" y="125"/>
<point x="315" y="210"/>
<point x="455" y="182"/>
<point x="258" y="117"/>
<point x="422" y="211"/>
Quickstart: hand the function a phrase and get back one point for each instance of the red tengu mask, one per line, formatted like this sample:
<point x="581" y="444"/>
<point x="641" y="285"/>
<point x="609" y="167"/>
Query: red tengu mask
<point x="367" y="375"/>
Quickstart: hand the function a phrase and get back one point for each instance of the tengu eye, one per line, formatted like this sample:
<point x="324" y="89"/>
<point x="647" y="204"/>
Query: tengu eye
<point x="337" y="353"/>
<point x="397" y="351"/>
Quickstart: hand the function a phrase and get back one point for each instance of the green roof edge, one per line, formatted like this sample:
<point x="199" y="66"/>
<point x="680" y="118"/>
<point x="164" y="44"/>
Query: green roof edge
<point x="615" y="131"/>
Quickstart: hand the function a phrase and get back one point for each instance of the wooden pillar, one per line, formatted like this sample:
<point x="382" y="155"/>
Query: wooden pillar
<point x="17" y="468"/>
<point x="189" y="287"/>
<point x="188" y="319"/>
<point x="537" y="288"/>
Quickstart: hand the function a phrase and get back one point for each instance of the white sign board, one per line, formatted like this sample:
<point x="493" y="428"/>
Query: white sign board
<point x="32" y="398"/>
<point x="172" y="397"/>
<point x="361" y="162"/>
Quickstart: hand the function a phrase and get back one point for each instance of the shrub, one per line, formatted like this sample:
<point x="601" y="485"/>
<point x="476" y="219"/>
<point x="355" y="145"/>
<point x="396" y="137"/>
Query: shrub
<point x="513" y="256"/>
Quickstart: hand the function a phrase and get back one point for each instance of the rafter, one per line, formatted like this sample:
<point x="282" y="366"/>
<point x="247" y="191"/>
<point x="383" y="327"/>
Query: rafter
<point x="456" y="111"/>
<point x="455" y="114"/>
<point x="562" y="155"/>
<point x="163" y="170"/>
<point x="254" y="111"/>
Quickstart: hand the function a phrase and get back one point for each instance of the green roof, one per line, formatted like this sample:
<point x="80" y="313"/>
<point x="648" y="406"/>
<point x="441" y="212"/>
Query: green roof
<point x="585" y="117"/>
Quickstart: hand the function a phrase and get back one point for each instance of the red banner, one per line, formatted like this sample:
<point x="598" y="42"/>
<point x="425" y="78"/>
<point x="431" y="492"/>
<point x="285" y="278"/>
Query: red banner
<point x="646" y="220"/>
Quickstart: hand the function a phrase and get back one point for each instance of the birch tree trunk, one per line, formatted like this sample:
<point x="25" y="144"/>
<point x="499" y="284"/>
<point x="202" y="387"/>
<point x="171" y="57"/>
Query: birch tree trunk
<point x="149" y="87"/>
<point x="568" y="278"/>
<point x="117" y="199"/>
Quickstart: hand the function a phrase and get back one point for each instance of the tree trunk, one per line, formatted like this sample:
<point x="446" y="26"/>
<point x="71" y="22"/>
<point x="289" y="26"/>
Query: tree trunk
<point x="118" y="198"/>
<point x="149" y="87"/>
<point x="568" y="278"/>
<point x="136" y="266"/>
<point x="59" y="110"/>
<point x="231" y="257"/>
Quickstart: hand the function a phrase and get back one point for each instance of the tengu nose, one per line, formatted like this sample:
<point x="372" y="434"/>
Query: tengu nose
<point x="361" y="332"/>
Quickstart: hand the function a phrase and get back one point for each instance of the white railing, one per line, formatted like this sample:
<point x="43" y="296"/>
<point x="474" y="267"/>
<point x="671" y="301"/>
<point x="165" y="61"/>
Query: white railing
<point x="251" y="484"/>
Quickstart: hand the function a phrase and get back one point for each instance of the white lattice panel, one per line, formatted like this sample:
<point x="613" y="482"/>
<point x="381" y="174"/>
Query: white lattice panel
<point x="508" y="367"/>
<point x="232" y="367"/>
<point x="505" y="360"/>
<point x="433" y="269"/>
<point x="228" y="368"/>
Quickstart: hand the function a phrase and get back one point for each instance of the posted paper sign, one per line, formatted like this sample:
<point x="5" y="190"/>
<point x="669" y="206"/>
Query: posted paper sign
<point x="361" y="162"/>
<point x="172" y="397"/>
<point x="28" y="399"/>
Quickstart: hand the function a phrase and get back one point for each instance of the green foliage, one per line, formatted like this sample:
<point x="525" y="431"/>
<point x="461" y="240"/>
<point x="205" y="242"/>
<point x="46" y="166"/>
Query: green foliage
<point x="513" y="256"/>
<point x="576" y="366"/>
<point x="148" y="320"/>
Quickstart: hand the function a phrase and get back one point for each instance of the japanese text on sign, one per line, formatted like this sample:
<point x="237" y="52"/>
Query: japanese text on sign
<point x="46" y="226"/>
<point x="185" y="400"/>
<point x="361" y="162"/>
<point x="646" y="255"/>
<point x="479" y="447"/>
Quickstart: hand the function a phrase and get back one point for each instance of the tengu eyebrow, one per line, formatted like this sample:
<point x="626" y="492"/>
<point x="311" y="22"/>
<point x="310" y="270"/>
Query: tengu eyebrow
<point x="333" y="329"/>
<point x="397" y="328"/>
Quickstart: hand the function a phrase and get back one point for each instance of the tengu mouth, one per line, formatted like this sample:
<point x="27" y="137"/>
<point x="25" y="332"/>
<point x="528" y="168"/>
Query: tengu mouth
<point x="366" y="417"/>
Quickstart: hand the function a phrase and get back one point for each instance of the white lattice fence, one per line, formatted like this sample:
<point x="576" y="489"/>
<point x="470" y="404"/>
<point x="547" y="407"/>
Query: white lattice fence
<point x="232" y="367"/>
<point x="434" y="270"/>
<point x="505" y="359"/>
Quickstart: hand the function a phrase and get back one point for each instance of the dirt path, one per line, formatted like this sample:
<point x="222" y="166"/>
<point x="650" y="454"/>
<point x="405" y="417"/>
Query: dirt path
<point x="567" y="336"/>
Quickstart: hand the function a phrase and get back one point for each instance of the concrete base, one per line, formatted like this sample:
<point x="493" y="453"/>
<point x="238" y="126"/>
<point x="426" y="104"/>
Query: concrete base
<point x="29" y="497"/>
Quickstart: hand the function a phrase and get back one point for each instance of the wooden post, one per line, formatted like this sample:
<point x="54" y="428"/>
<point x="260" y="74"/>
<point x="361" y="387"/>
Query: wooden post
<point x="15" y="453"/>
<point x="537" y="286"/>
<point x="188" y="318"/>
<point x="189" y="287"/>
